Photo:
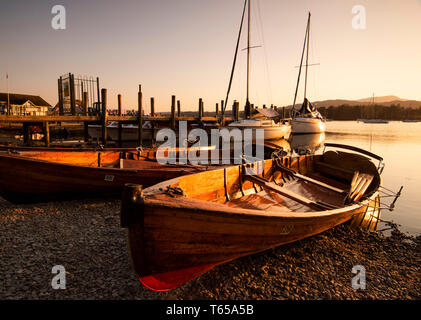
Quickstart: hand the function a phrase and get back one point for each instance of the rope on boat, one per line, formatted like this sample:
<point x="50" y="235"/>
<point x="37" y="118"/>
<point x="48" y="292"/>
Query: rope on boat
<point x="173" y="191"/>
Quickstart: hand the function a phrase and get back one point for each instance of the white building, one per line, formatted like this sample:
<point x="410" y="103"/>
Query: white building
<point x="22" y="104"/>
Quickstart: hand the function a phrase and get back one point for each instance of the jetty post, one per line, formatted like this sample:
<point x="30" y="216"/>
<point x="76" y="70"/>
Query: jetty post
<point x="104" y="116"/>
<point x="200" y="114"/>
<point x="235" y="110"/>
<point x="46" y="126"/>
<point x="140" y="115"/>
<point x="152" y="122"/>
<point x="222" y="113"/>
<point x="172" y="120"/>
<point x="85" y="113"/>
<point x="26" y="139"/>
<point x="120" y="126"/>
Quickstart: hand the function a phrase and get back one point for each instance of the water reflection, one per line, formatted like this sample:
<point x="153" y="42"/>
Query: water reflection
<point x="303" y="144"/>
<point x="399" y="145"/>
<point x="299" y="144"/>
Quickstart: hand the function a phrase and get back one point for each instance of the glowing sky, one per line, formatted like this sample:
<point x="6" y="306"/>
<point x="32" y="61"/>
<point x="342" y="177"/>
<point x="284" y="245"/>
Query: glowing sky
<point x="186" y="47"/>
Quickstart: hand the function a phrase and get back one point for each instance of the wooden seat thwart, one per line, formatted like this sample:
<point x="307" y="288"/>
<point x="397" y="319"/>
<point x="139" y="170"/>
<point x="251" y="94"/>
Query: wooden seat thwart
<point x="296" y="175"/>
<point x="266" y="184"/>
<point x="359" y="185"/>
<point x="333" y="170"/>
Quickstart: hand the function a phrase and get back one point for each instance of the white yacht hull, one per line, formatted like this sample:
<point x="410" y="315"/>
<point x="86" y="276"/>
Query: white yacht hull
<point x="272" y="131"/>
<point x="308" y="125"/>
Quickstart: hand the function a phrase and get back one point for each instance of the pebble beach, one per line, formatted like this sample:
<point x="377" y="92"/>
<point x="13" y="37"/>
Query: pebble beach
<point x="86" y="238"/>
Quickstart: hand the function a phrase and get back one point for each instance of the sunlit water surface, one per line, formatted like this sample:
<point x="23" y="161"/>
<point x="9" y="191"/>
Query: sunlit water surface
<point x="399" y="143"/>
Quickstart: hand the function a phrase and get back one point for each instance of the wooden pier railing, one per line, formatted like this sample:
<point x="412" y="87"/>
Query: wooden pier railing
<point x="103" y="118"/>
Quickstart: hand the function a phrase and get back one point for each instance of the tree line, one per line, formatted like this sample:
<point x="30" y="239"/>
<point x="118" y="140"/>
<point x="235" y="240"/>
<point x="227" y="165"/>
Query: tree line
<point x="392" y="112"/>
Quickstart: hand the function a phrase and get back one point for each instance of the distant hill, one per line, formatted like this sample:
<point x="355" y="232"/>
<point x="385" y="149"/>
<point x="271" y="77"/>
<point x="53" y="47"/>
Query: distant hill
<point x="384" y="101"/>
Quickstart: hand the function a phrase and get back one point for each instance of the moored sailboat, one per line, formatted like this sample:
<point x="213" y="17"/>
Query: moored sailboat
<point x="267" y="120"/>
<point x="307" y="119"/>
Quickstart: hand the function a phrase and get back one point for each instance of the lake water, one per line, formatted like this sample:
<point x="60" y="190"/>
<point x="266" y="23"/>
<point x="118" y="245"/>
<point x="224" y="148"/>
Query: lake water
<point x="398" y="143"/>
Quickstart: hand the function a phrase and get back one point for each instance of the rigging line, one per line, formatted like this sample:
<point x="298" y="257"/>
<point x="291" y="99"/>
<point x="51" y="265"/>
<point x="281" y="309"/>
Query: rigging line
<point x="235" y="60"/>
<point x="269" y="87"/>
<point x="311" y="64"/>
<point x="252" y="47"/>
<point x="299" y="70"/>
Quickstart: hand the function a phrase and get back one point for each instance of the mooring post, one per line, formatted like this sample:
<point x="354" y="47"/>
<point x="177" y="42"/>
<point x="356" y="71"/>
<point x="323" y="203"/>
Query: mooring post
<point x="237" y="111"/>
<point x="216" y="112"/>
<point x="104" y="116"/>
<point x="152" y="121"/>
<point x="222" y="113"/>
<point x="152" y="106"/>
<point x="234" y="112"/>
<point x="26" y="139"/>
<point x="46" y="133"/>
<point x="120" y="126"/>
<point x="173" y="112"/>
<point x="140" y="116"/>
<point x="199" y="112"/>
<point x="85" y="113"/>
<point x="178" y="108"/>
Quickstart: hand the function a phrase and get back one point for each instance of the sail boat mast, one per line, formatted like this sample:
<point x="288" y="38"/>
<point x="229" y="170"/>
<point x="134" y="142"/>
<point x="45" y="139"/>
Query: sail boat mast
<point x="308" y="44"/>
<point x="233" y="64"/>
<point x="248" y="55"/>
<point x="301" y="65"/>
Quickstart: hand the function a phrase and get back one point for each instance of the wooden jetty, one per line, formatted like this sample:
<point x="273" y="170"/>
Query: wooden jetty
<point x="102" y="117"/>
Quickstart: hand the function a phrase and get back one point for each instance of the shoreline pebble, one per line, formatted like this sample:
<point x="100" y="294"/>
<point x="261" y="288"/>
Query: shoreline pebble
<point x="86" y="238"/>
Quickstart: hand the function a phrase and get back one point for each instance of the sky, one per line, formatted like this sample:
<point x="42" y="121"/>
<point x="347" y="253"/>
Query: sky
<point x="186" y="48"/>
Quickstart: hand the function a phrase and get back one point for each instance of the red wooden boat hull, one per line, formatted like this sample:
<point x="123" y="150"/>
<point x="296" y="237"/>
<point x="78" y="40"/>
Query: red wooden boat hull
<point x="174" y="238"/>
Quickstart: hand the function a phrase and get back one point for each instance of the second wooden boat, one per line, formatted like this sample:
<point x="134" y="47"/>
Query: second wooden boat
<point x="32" y="175"/>
<point x="183" y="227"/>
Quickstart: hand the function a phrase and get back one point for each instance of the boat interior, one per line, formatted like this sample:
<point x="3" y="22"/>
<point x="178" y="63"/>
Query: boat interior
<point x="308" y="183"/>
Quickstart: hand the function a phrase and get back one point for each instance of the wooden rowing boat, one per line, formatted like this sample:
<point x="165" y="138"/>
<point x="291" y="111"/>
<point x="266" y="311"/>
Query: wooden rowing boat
<point x="181" y="228"/>
<point x="29" y="175"/>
